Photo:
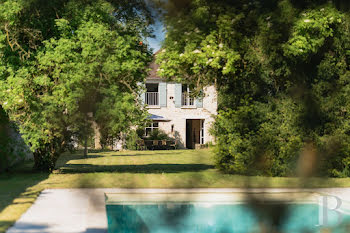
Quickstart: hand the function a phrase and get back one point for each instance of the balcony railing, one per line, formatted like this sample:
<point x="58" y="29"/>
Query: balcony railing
<point x="187" y="100"/>
<point x="152" y="98"/>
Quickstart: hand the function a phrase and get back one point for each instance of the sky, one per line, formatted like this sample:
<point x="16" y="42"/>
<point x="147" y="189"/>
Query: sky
<point x="155" y="43"/>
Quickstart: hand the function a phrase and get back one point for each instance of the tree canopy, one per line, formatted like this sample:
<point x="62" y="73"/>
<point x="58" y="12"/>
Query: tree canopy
<point x="282" y="72"/>
<point x="66" y="63"/>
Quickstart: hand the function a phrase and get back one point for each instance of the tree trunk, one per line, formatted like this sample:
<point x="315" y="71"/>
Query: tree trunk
<point x="85" y="147"/>
<point x="97" y="133"/>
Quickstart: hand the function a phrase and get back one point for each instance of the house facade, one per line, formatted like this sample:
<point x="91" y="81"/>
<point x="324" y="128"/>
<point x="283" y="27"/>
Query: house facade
<point x="173" y="110"/>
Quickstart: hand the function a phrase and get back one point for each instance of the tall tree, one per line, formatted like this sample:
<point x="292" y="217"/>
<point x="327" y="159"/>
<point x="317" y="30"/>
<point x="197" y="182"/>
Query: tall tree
<point x="67" y="63"/>
<point x="282" y="72"/>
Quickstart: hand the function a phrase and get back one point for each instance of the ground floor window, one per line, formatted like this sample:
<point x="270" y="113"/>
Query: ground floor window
<point x="151" y="127"/>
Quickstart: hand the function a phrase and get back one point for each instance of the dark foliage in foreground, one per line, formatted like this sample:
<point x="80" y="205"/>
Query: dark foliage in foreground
<point x="282" y="72"/>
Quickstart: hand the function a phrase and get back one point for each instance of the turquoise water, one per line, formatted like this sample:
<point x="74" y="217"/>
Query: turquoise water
<point x="217" y="218"/>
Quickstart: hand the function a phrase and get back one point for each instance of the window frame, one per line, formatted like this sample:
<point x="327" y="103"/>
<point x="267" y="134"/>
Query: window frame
<point x="186" y="95"/>
<point x="152" y="97"/>
<point x="152" y="127"/>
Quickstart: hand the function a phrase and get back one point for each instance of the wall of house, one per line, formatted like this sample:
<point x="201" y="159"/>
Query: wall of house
<point x="177" y="115"/>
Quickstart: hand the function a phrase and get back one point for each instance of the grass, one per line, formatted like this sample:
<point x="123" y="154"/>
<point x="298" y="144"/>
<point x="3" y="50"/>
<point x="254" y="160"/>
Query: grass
<point x="131" y="169"/>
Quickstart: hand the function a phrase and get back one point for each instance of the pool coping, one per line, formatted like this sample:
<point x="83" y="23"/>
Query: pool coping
<point x="83" y="210"/>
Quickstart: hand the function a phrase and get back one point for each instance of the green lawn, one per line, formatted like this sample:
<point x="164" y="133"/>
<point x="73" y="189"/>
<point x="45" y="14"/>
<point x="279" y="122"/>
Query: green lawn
<point x="140" y="169"/>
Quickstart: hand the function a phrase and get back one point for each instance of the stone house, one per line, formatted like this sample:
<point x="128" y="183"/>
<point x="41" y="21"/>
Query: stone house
<point x="173" y="110"/>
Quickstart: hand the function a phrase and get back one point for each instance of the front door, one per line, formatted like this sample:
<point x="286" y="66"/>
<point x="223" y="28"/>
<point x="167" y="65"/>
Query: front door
<point x="189" y="134"/>
<point x="194" y="133"/>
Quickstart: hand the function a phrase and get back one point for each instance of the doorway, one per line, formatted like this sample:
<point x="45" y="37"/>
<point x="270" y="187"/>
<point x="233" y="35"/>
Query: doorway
<point x="194" y="133"/>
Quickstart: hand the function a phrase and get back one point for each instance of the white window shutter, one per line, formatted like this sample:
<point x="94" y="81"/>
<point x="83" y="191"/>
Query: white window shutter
<point x="199" y="100"/>
<point x="178" y="95"/>
<point x="143" y="97"/>
<point x="162" y="94"/>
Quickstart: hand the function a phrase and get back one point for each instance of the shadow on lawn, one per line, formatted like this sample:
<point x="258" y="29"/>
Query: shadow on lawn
<point x="4" y="225"/>
<point x="80" y="156"/>
<point x="170" y="153"/>
<point x="19" y="180"/>
<point x="77" y="156"/>
<point x="142" y="168"/>
<point x="19" y="183"/>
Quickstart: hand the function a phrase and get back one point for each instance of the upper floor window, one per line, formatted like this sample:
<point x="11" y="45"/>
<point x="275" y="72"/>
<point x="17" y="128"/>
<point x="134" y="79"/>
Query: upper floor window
<point x="187" y="99"/>
<point x="152" y="94"/>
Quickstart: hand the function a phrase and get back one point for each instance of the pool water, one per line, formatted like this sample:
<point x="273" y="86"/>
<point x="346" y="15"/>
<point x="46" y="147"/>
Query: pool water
<point x="212" y="218"/>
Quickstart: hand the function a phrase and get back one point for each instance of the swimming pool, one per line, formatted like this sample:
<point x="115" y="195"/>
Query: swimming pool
<point x="224" y="213"/>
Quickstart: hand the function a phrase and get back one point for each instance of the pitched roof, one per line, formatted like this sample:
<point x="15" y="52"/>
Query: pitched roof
<point x="152" y="74"/>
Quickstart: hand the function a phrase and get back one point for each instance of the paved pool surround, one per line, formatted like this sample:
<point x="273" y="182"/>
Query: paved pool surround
<point x="83" y="210"/>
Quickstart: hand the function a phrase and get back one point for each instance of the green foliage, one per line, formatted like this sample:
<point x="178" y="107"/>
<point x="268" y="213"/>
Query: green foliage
<point x="131" y="140"/>
<point x="117" y="113"/>
<point x="282" y="72"/>
<point x="335" y="151"/>
<point x="311" y="31"/>
<point x="158" y="134"/>
<point x="4" y="141"/>
<point x="140" y="131"/>
<point x="69" y="63"/>
<point x="12" y="147"/>
<point x="259" y="138"/>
